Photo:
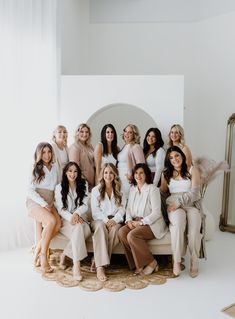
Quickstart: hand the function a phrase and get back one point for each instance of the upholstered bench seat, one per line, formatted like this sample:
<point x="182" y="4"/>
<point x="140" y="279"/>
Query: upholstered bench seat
<point x="157" y="246"/>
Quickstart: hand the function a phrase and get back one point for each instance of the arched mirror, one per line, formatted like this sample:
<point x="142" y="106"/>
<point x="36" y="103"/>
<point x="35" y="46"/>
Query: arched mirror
<point x="227" y="218"/>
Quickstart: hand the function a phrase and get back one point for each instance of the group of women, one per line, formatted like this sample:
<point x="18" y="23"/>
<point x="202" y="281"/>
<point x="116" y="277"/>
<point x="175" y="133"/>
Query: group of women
<point x="123" y="189"/>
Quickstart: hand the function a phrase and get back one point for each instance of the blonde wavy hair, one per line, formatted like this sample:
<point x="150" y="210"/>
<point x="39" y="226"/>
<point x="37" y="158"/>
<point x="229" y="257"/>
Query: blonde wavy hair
<point x="136" y="139"/>
<point x="76" y="136"/>
<point x="180" y="130"/>
<point x="116" y="185"/>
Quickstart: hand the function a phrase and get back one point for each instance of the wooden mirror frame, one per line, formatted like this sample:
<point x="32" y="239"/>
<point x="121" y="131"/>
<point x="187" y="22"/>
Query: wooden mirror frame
<point x="223" y="225"/>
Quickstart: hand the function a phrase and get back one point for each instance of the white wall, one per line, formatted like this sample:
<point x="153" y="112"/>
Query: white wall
<point x="158" y="96"/>
<point x="202" y="51"/>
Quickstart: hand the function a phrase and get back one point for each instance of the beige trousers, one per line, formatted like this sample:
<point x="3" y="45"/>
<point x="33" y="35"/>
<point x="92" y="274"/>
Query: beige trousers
<point x="76" y="248"/>
<point x="179" y="219"/>
<point x="103" y="242"/>
<point x="135" y="245"/>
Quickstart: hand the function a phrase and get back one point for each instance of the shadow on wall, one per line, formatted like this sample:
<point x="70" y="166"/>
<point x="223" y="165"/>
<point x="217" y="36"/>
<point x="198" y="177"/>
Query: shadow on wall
<point x="120" y="114"/>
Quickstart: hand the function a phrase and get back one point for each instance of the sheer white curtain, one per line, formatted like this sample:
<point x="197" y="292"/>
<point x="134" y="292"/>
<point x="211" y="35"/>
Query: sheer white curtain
<point x="28" y="105"/>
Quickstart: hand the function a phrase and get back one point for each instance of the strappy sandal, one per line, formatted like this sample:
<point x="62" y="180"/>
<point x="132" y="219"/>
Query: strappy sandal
<point x="62" y="265"/>
<point x="93" y="267"/>
<point x="100" y="274"/>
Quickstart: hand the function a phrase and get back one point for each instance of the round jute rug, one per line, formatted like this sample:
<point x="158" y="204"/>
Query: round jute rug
<point x="118" y="273"/>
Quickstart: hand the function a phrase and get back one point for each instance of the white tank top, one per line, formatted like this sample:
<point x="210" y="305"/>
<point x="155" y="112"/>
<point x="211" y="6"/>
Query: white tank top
<point x="180" y="185"/>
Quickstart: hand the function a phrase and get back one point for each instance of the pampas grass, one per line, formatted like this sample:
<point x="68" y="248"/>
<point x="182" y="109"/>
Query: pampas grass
<point x="209" y="170"/>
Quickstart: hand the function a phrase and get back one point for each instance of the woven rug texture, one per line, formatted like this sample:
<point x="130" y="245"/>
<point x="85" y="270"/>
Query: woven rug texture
<point x="118" y="273"/>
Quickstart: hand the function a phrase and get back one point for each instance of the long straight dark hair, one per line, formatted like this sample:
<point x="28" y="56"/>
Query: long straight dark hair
<point x="80" y="186"/>
<point x="159" y="141"/>
<point x="103" y="139"/>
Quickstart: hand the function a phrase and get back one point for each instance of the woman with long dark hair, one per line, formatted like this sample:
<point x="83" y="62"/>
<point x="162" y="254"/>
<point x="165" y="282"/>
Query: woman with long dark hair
<point x="71" y="201"/>
<point x="106" y="150"/>
<point x="154" y="153"/>
<point x="40" y="201"/>
<point x="184" y="209"/>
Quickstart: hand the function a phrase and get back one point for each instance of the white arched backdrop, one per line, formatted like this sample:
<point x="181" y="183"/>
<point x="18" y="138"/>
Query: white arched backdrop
<point x="141" y="100"/>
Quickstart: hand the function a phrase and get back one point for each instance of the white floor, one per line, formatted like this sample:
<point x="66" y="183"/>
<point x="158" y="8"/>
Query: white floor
<point x="24" y="295"/>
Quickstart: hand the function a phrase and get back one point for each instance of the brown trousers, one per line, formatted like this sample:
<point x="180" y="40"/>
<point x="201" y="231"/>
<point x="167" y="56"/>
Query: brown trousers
<point x="135" y="245"/>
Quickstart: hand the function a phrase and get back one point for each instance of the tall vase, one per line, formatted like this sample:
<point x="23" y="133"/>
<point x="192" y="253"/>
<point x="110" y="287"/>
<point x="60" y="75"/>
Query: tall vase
<point x="209" y="223"/>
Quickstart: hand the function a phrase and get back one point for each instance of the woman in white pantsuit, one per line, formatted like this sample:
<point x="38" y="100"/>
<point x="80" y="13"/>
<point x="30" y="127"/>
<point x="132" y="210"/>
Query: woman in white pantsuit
<point x="183" y="206"/>
<point x="71" y="201"/>
<point x="107" y="205"/>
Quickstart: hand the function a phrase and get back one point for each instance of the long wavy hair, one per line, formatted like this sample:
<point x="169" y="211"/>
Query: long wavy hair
<point x="169" y="168"/>
<point x="80" y="186"/>
<point x="103" y="139"/>
<point x="180" y="130"/>
<point x="38" y="172"/>
<point x="147" y="172"/>
<point x="159" y="141"/>
<point x="116" y="185"/>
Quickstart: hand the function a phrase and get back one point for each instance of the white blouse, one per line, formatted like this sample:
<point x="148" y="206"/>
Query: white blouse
<point x="156" y="164"/>
<point x="67" y="213"/>
<point x="49" y="182"/>
<point x="106" y="207"/>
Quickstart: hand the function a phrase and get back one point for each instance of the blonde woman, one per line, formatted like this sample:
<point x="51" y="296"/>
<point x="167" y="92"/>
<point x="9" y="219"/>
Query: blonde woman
<point x="176" y="138"/>
<point x="107" y="207"/>
<point x="82" y="153"/>
<point x="60" y="148"/>
<point x="106" y="150"/>
<point x="130" y="155"/>
<point x="40" y="201"/>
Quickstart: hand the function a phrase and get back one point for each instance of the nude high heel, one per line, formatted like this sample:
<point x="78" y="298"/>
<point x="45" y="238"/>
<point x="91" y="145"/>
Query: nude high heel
<point x="45" y="267"/>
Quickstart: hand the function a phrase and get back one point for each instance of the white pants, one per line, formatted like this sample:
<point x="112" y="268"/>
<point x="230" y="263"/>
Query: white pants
<point x="76" y="248"/>
<point x="103" y="242"/>
<point x="179" y="218"/>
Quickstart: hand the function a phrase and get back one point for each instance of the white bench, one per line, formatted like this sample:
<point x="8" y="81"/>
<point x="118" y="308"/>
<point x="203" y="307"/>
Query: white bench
<point x="157" y="246"/>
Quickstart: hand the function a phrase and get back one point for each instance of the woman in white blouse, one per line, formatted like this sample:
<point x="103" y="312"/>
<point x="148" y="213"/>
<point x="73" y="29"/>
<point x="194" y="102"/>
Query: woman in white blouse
<point x="107" y="207"/>
<point x="71" y="201"/>
<point x="106" y="150"/>
<point x="144" y="221"/>
<point x="154" y="153"/>
<point x="40" y="201"/>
